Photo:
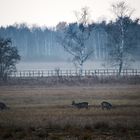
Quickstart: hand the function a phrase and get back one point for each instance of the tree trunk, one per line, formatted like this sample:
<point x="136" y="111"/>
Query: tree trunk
<point x="120" y="68"/>
<point x="81" y="69"/>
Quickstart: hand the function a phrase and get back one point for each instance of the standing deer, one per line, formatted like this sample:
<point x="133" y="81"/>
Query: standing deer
<point x="106" y="105"/>
<point x="80" y="105"/>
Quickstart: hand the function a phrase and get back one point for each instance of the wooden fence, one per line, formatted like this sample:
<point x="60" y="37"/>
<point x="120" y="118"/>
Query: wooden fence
<point x="96" y="72"/>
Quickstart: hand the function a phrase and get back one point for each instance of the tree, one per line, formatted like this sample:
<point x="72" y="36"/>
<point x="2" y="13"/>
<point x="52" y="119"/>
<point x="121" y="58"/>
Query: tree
<point x="8" y="58"/>
<point x="122" y="36"/>
<point x="75" y="37"/>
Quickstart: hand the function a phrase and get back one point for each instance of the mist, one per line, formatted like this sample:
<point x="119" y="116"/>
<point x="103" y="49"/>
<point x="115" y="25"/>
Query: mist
<point x="40" y="48"/>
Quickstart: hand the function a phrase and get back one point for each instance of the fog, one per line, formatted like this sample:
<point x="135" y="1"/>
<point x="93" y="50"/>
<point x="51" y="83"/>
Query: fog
<point x="67" y="65"/>
<point x="87" y="44"/>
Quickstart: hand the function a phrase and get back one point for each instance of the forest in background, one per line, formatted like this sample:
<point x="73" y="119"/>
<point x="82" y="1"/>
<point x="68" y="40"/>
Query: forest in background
<point x="42" y="44"/>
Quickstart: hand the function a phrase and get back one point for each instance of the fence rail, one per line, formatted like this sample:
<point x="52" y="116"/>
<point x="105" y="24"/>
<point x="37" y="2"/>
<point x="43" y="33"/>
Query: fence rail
<point x="58" y="72"/>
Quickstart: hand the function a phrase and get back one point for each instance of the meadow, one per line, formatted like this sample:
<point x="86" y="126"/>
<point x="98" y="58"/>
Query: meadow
<point x="46" y="113"/>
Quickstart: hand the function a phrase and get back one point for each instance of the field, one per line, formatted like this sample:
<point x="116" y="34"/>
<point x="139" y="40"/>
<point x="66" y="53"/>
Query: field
<point x="46" y="113"/>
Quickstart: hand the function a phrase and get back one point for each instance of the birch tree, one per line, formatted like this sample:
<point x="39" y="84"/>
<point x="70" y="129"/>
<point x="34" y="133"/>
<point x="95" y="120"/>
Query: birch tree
<point x="122" y="36"/>
<point x="75" y="37"/>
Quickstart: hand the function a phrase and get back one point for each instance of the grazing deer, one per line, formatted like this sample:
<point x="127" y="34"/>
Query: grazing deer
<point x="80" y="105"/>
<point x="106" y="105"/>
<point x="3" y="106"/>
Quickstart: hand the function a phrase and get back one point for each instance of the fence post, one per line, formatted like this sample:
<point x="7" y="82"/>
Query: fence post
<point x="33" y="73"/>
<point x="48" y="73"/>
<point x="20" y="74"/>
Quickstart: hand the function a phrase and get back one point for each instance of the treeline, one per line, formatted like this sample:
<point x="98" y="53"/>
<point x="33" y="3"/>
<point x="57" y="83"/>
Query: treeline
<point x="37" y="43"/>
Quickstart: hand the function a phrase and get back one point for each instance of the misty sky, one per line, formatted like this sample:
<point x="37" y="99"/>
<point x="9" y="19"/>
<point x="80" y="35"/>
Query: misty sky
<point x="50" y="12"/>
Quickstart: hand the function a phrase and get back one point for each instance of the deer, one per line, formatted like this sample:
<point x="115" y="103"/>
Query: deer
<point x="3" y="106"/>
<point x="106" y="105"/>
<point x="80" y="105"/>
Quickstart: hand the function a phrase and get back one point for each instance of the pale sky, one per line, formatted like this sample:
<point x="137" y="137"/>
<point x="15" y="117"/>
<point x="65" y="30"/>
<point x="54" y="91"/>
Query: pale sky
<point x="50" y="12"/>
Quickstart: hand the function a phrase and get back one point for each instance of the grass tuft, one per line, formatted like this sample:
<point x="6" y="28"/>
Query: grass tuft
<point x="101" y="126"/>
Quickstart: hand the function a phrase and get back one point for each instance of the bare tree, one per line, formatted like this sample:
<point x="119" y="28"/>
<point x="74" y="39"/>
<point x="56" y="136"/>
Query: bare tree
<point x="121" y="35"/>
<point x="121" y="10"/>
<point x="75" y="37"/>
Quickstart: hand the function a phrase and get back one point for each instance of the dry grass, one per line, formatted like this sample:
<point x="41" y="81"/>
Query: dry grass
<point x="42" y="112"/>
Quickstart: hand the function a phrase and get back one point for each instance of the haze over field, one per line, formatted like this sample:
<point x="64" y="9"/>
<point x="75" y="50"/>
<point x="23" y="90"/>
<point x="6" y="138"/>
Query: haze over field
<point x="66" y="65"/>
